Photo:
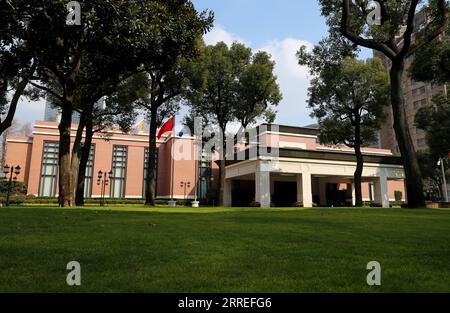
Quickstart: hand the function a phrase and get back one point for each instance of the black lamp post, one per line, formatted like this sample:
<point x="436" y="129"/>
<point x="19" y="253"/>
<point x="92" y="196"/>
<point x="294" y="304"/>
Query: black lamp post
<point x="185" y="184"/>
<point x="14" y="172"/>
<point x="103" y="181"/>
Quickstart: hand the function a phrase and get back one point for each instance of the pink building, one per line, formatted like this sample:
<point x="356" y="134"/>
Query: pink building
<point x="294" y="168"/>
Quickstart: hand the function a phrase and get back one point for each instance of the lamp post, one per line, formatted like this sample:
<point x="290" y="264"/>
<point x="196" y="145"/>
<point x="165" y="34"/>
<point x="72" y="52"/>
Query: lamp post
<point x="444" y="180"/>
<point x="185" y="184"/>
<point x="14" y="172"/>
<point x="103" y="181"/>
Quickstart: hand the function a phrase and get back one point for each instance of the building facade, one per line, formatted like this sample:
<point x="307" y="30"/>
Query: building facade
<point x="122" y="154"/>
<point x="301" y="172"/>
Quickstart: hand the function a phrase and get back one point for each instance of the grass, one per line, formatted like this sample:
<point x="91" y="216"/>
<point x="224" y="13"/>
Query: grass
<point x="134" y="249"/>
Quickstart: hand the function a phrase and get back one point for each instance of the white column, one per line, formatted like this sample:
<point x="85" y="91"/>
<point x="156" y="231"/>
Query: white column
<point x="262" y="188"/>
<point x="353" y="194"/>
<point x="227" y="200"/>
<point x="381" y="190"/>
<point x="307" y="190"/>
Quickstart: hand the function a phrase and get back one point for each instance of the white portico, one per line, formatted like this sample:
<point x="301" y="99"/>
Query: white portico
<point x="312" y="174"/>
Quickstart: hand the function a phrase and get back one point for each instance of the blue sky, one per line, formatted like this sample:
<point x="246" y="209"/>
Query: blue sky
<point x="278" y="27"/>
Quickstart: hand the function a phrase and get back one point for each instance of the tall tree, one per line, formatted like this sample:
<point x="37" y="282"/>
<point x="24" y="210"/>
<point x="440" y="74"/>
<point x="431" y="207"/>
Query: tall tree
<point x="348" y="99"/>
<point x="396" y="17"/>
<point x="59" y="50"/>
<point x="257" y="90"/>
<point x="178" y="27"/>
<point x="230" y="84"/>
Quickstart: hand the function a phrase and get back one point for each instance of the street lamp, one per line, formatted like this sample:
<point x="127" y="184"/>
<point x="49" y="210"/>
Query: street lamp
<point x="14" y="172"/>
<point x="444" y="180"/>
<point x="103" y="181"/>
<point x="185" y="184"/>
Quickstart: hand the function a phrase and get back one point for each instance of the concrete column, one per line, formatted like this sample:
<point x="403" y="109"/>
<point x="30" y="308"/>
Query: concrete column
<point x="262" y="188"/>
<point x="227" y="197"/>
<point x="381" y="190"/>
<point x="307" y="190"/>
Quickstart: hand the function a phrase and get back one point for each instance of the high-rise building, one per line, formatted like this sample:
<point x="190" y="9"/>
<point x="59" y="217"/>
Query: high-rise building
<point x="416" y="95"/>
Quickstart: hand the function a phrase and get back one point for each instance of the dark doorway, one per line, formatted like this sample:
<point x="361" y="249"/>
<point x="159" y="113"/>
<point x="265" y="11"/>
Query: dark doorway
<point x="243" y="193"/>
<point x="336" y="197"/>
<point x="284" y="194"/>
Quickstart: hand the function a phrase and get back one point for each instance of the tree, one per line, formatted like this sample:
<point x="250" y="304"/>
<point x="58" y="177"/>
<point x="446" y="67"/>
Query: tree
<point x="349" y="18"/>
<point x="230" y="84"/>
<point x="431" y="174"/>
<point x="434" y="119"/>
<point x="60" y="50"/>
<point x="257" y="89"/>
<point x="348" y="98"/>
<point x="179" y="29"/>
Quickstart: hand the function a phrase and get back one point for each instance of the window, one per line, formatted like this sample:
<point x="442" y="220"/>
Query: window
<point x="119" y="168"/>
<point x="145" y="171"/>
<point x="419" y="91"/>
<point x="420" y="103"/>
<point x="89" y="174"/>
<point x="49" y="168"/>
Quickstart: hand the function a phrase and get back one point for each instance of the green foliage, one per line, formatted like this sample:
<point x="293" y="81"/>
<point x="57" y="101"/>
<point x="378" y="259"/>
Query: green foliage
<point x="345" y="96"/>
<point x="17" y="188"/>
<point x="232" y="84"/>
<point x="432" y="63"/>
<point x="435" y="120"/>
<point x="431" y="174"/>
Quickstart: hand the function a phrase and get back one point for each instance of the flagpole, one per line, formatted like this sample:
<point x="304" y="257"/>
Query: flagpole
<point x="173" y="160"/>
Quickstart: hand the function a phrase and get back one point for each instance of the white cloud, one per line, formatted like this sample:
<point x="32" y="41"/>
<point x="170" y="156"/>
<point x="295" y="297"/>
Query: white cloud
<point x="218" y="34"/>
<point x="293" y="80"/>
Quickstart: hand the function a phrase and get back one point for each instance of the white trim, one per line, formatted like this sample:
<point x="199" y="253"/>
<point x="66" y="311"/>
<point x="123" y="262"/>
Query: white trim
<point x="20" y="141"/>
<point x="329" y="162"/>
<point x="350" y="150"/>
<point x="288" y="144"/>
<point x="99" y="137"/>
<point x="287" y="134"/>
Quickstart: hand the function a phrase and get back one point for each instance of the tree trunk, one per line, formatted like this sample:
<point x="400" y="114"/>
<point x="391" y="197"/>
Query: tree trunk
<point x="86" y="150"/>
<point x="65" y="181"/>
<point x="150" y="191"/>
<point x="414" y="184"/>
<point x="359" y="164"/>
<point x="77" y="151"/>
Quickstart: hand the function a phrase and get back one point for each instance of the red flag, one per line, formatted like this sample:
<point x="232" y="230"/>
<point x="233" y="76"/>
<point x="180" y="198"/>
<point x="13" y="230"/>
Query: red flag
<point x="167" y="127"/>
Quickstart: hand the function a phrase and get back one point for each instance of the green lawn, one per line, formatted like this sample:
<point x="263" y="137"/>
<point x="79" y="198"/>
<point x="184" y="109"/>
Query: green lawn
<point x="133" y="249"/>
